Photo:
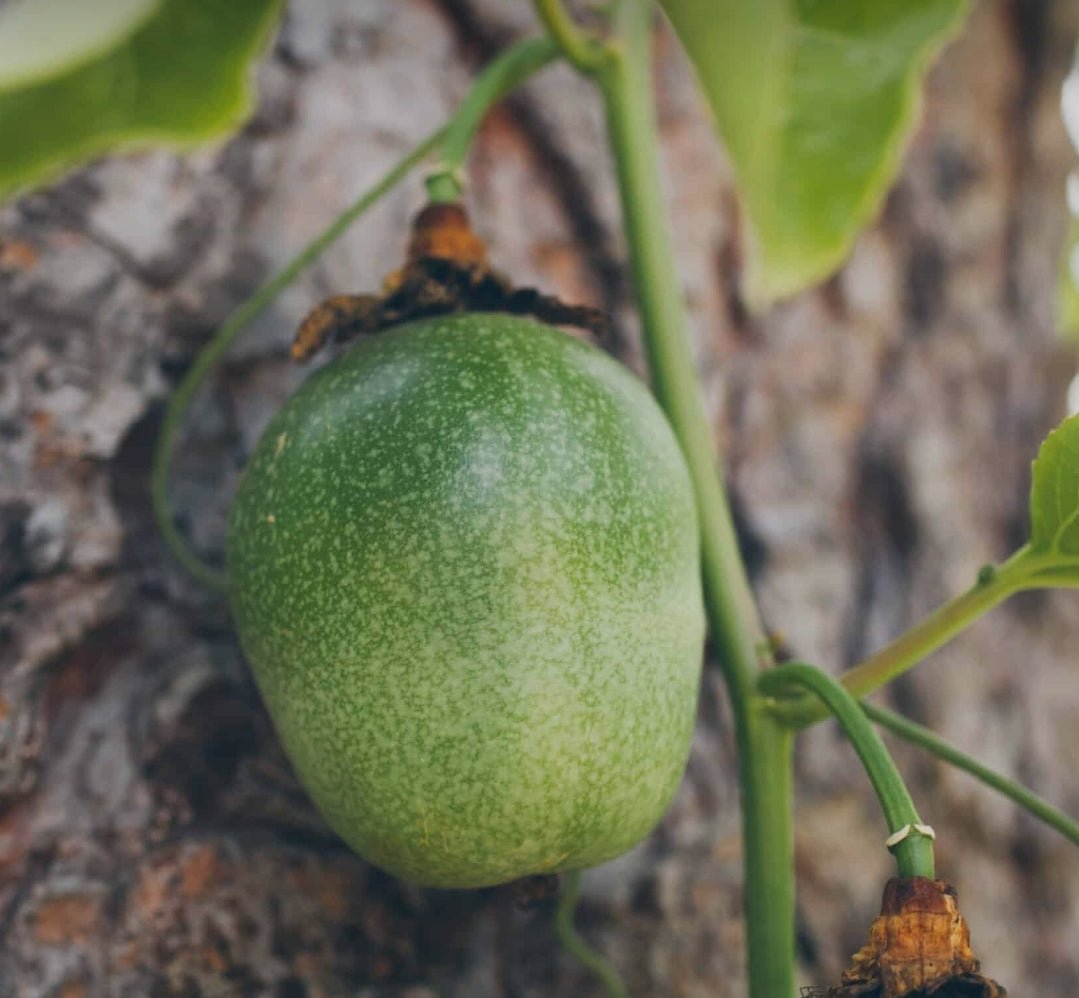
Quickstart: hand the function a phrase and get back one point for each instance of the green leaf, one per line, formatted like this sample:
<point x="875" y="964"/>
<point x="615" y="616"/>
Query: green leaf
<point x="44" y="38"/>
<point x="813" y="99"/>
<point x="1054" y="496"/>
<point x="1062" y="576"/>
<point x="180" y="78"/>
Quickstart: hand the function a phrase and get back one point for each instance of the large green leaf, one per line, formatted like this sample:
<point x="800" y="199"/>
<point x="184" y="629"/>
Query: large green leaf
<point x="44" y="38"/>
<point x="813" y="99"/>
<point x="179" y="78"/>
<point x="1054" y="495"/>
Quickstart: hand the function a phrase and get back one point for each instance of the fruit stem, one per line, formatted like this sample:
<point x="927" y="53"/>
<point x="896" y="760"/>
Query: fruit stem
<point x="503" y="74"/>
<point x="574" y="944"/>
<point x="764" y="744"/>
<point x="935" y="745"/>
<point x="914" y="853"/>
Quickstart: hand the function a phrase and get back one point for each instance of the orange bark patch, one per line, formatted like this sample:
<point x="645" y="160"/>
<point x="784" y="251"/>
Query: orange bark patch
<point x="329" y="886"/>
<point x="42" y="422"/>
<point x="69" y="919"/>
<point x="214" y="960"/>
<point x="17" y="254"/>
<point x="72" y="989"/>
<point x="197" y="871"/>
<point x="154" y="888"/>
<point x="333" y="897"/>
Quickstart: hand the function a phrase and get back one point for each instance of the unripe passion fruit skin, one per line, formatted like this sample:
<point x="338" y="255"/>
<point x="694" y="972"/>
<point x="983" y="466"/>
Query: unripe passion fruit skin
<point x="464" y="565"/>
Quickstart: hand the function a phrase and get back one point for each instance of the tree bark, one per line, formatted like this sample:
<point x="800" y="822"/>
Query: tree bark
<point x="878" y="432"/>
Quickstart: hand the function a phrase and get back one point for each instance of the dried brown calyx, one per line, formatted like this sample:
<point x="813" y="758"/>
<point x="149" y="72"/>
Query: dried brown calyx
<point x="446" y="271"/>
<point x="918" y="946"/>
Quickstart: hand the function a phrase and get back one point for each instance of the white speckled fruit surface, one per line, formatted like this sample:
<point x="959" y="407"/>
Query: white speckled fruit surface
<point x="464" y="566"/>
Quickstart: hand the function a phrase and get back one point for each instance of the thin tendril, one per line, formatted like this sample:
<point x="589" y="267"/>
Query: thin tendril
<point x="504" y="74"/>
<point x="182" y="397"/>
<point x="921" y="736"/>
<point x="575" y="945"/>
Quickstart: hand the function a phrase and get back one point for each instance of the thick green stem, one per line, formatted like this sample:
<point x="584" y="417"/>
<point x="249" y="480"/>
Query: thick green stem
<point x="764" y="747"/>
<point x="914" y="853"/>
<point x="626" y="82"/>
<point x="766" y="772"/>
<point x="571" y="939"/>
<point x="934" y="744"/>
<point x="184" y="394"/>
<point x="504" y="73"/>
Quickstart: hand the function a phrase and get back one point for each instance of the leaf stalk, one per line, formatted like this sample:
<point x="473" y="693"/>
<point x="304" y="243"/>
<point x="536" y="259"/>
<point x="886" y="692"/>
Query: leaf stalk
<point x="993" y="586"/>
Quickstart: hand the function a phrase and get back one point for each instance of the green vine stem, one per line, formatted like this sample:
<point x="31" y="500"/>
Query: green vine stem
<point x="574" y="944"/>
<point x="930" y="741"/>
<point x="914" y="853"/>
<point x="585" y="52"/>
<point x="625" y="80"/>
<point x="626" y="83"/>
<point x="503" y="74"/>
<point x="994" y="585"/>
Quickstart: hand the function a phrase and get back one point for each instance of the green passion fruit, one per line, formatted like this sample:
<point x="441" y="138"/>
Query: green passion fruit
<point x="463" y="563"/>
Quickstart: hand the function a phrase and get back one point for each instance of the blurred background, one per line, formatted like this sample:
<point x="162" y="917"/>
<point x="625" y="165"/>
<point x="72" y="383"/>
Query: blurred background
<point x="878" y="432"/>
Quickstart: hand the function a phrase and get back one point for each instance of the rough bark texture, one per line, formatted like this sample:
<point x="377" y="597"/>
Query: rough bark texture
<point x="153" y="841"/>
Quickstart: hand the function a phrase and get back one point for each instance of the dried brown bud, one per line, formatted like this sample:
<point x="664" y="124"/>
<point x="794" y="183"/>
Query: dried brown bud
<point x="446" y="271"/>
<point x="919" y="945"/>
<point x="442" y="232"/>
